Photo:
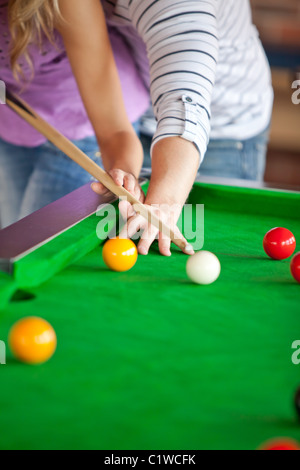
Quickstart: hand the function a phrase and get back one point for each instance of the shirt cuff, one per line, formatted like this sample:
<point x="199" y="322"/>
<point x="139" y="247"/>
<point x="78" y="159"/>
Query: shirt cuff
<point x="184" y="117"/>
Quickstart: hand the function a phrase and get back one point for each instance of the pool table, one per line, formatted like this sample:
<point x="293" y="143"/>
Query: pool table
<point x="146" y="359"/>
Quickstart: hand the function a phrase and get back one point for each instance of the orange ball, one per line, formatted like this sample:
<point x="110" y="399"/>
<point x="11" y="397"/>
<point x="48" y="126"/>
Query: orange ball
<point x="32" y="340"/>
<point x="119" y="254"/>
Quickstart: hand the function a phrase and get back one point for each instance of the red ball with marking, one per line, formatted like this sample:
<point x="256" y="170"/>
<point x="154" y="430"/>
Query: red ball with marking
<point x="279" y="243"/>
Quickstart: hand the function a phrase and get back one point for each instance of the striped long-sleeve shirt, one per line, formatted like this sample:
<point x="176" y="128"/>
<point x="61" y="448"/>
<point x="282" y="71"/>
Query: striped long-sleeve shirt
<point x="203" y="63"/>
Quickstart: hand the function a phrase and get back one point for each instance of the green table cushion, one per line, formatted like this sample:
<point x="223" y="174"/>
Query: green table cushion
<point x="8" y="286"/>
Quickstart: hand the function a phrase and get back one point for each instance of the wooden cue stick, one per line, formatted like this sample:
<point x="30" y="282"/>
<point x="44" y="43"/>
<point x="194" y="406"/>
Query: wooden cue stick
<point x="73" y="152"/>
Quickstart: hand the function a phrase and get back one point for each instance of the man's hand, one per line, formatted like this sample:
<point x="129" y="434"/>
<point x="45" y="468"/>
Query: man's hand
<point x="138" y="224"/>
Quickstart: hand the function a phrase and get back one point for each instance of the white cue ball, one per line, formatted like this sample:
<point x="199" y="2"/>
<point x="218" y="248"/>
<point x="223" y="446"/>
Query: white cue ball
<point x="203" y="268"/>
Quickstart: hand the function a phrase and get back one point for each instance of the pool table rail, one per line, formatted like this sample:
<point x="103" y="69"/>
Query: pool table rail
<point x="32" y="232"/>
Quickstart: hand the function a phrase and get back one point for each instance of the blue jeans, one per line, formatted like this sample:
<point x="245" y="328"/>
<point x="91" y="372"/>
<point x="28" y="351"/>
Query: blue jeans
<point x="31" y="178"/>
<point x="242" y="159"/>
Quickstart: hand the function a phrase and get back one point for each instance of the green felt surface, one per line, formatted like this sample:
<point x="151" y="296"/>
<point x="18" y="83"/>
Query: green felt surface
<point x="147" y="360"/>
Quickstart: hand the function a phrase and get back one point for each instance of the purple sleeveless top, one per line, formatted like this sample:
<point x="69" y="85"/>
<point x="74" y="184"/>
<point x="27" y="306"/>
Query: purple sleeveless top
<point x="53" y="92"/>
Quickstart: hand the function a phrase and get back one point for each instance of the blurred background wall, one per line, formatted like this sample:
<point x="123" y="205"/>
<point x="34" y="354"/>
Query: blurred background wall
<point x="278" y="22"/>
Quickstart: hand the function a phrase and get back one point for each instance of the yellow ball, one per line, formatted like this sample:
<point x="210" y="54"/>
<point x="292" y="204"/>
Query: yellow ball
<point x="32" y="340"/>
<point x="120" y="254"/>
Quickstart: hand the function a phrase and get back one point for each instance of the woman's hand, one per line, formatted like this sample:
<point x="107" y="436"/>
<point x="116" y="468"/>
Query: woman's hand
<point x="138" y="224"/>
<point x="121" y="178"/>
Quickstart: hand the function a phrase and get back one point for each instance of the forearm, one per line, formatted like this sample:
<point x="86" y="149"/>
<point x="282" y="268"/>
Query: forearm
<point x="175" y="162"/>
<point x="88" y="47"/>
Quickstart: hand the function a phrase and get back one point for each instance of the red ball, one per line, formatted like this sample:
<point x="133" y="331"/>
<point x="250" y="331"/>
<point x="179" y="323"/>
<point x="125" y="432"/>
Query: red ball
<point x="280" y="444"/>
<point x="279" y="243"/>
<point x="295" y="267"/>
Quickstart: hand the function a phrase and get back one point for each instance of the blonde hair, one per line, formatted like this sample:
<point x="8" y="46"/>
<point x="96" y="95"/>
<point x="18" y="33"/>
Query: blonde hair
<point x="29" y="20"/>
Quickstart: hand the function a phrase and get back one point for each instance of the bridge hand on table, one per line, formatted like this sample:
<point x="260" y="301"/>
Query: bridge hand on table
<point x="138" y="224"/>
